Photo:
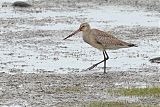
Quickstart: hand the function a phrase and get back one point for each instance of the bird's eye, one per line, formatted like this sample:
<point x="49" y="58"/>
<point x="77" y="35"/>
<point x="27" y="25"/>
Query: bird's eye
<point x="83" y="26"/>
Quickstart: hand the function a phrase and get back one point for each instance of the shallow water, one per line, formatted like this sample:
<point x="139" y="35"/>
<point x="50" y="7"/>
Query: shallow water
<point x="99" y="17"/>
<point x="12" y="106"/>
<point x="78" y="55"/>
<point x="120" y="60"/>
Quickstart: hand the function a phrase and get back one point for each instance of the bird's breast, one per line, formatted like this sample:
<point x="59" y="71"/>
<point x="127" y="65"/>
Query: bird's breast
<point x="86" y="38"/>
<point x="90" y="39"/>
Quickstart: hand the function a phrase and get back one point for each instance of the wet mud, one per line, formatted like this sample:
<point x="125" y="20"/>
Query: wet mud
<point x="38" y="68"/>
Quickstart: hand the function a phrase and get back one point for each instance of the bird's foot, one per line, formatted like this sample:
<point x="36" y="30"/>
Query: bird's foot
<point x="92" y="67"/>
<point x="104" y="72"/>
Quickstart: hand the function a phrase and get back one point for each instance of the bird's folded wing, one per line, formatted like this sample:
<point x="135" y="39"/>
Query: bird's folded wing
<point x="105" y="38"/>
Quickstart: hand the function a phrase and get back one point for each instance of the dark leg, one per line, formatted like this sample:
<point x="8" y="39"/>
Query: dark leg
<point x="105" y="58"/>
<point x="104" y="62"/>
<point x="95" y="65"/>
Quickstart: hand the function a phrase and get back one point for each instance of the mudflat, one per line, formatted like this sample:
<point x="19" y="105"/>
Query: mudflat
<point x="37" y="68"/>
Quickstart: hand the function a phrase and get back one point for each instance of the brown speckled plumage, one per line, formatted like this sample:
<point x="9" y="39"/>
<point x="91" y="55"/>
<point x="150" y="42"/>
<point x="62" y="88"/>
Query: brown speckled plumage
<point x="107" y="40"/>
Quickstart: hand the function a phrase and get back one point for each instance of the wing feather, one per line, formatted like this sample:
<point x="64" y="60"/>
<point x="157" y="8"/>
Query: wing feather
<point x="107" y="39"/>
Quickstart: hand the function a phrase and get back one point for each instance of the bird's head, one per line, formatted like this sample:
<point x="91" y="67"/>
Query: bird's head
<point x="83" y="27"/>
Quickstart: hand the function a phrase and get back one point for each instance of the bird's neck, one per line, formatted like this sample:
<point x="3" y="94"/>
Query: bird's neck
<point x="86" y="36"/>
<point x="87" y="31"/>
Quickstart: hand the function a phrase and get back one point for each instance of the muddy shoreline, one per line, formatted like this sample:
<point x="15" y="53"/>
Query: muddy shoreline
<point x="44" y="89"/>
<point x="75" y="88"/>
<point x="26" y="46"/>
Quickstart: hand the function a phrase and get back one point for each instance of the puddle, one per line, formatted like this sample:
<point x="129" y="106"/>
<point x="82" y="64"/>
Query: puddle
<point x="12" y="106"/>
<point x="101" y="17"/>
<point x="78" y="55"/>
<point x="120" y="60"/>
<point x="123" y="16"/>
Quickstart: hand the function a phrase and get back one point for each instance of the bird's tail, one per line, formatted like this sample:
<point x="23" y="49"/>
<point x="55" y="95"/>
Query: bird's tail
<point x="132" y="45"/>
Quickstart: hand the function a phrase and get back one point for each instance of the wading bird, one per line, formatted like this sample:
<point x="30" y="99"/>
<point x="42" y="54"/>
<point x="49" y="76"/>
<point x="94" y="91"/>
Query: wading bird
<point x="100" y="40"/>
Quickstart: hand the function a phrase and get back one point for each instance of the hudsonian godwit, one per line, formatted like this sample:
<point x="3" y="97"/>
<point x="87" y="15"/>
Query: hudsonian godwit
<point x="100" y="40"/>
